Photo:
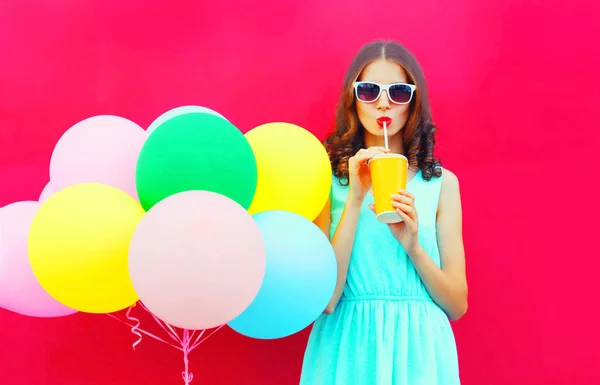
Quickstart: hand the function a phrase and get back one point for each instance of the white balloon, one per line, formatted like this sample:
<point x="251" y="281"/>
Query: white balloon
<point x="180" y="111"/>
<point x="46" y="193"/>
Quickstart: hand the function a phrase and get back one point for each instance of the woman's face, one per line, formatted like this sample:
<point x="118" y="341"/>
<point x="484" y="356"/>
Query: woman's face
<point x="384" y="73"/>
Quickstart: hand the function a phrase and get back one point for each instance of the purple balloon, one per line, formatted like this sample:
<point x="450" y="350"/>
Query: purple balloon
<point x="20" y="291"/>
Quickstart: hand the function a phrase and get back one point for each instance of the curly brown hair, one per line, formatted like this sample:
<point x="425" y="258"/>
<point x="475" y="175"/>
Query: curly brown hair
<point x="419" y="131"/>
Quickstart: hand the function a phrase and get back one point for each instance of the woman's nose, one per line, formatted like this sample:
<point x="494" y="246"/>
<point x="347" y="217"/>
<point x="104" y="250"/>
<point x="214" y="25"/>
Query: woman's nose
<point x="384" y="102"/>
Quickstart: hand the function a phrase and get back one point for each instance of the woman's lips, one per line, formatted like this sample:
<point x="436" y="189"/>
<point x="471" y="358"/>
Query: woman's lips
<point x="384" y="119"/>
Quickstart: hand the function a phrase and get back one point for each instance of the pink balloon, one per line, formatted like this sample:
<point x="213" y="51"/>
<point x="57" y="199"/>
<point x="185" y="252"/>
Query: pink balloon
<point x="20" y="291"/>
<point x="46" y="193"/>
<point x="101" y="149"/>
<point x="197" y="259"/>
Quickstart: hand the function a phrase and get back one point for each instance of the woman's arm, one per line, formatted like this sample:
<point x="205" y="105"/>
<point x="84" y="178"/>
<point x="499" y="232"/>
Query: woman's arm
<point x="342" y="241"/>
<point x="448" y="285"/>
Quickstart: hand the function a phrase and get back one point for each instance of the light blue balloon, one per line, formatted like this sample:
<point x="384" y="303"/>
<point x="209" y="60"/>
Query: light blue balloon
<point x="179" y="111"/>
<point x="299" y="280"/>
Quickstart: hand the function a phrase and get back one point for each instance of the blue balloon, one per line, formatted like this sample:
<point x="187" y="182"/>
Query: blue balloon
<point x="180" y="111"/>
<point x="299" y="280"/>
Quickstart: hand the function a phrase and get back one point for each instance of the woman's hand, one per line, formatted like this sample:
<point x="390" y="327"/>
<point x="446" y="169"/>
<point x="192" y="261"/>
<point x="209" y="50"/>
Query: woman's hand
<point x="407" y="231"/>
<point x="359" y="173"/>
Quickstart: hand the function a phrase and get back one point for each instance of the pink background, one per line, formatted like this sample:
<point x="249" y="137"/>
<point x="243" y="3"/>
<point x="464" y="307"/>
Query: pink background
<point x="514" y="87"/>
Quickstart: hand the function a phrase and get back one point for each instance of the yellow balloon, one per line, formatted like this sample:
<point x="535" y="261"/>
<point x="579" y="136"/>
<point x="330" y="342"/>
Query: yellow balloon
<point x="78" y="246"/>
<point x="294" y="172"/>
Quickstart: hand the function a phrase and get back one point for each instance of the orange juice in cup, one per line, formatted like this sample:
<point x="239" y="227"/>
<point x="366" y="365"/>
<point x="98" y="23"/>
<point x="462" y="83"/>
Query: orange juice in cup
<point x="388" y="175"/>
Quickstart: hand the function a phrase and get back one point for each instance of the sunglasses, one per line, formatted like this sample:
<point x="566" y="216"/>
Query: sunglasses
<point x="399" y="93"/>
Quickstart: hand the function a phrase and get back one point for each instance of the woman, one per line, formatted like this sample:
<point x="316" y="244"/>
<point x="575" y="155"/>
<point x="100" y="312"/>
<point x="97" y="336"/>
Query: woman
<point x="398" y="284"/>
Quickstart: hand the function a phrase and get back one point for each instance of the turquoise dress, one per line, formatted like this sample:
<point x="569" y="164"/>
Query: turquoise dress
<point x="386" y="329"/>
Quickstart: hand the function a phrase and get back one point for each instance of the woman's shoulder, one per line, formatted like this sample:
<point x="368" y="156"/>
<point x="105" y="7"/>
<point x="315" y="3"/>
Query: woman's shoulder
<point x="449" y="179"/>
<point x="450" y="192"/>
<point x="446" y="176"/>
<point x="446" y="182"/>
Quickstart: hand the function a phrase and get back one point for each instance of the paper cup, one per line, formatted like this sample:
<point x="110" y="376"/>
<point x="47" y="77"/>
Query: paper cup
<point x="388" y="175"/>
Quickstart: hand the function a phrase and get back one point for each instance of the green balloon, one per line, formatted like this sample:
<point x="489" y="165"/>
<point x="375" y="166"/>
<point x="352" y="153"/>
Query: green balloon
<point x="196" y="151"/>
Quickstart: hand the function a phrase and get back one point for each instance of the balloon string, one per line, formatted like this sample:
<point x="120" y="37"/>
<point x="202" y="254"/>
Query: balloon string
<point x="172" y="330"/>
<point x="196" y="343"/>
<point x="145" y="332"/>
<point x="164" y="325"/>
<point x="186" y="374"/>
<point x="135" y="328"/>
<point x="185" y="342"/>
<point x="196" y="339"/>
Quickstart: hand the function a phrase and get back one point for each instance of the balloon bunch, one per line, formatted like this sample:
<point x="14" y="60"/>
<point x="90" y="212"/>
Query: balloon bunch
<point x="200" y="224"/>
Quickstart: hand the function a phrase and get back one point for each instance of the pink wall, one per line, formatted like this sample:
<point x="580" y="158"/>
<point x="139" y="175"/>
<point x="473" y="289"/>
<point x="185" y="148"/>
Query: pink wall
<point x="514" y="89"/>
